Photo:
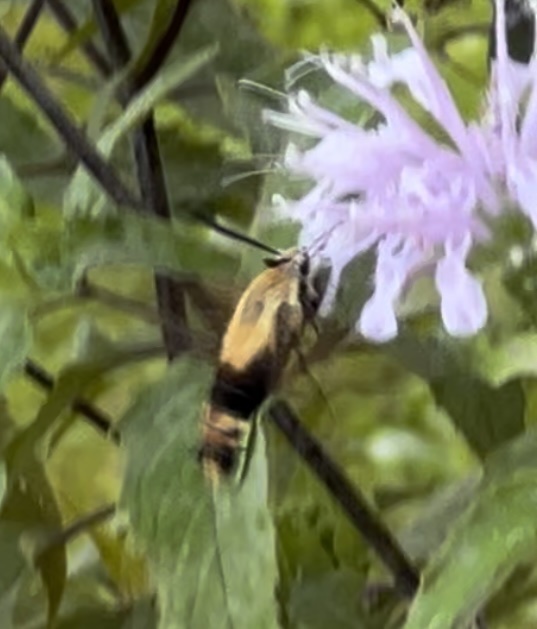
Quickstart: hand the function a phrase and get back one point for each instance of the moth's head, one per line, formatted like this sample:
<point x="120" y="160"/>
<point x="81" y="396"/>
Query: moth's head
<point x="299" y="258"/>
<point x="314" y="279"/>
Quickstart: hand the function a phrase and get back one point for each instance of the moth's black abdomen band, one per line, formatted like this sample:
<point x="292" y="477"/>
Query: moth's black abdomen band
<point x="225" y="456"/>
<point x="241" y="393"/>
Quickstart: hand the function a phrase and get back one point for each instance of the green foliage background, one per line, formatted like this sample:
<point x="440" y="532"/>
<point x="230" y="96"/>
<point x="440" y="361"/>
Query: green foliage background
<point x="437" y="434"/>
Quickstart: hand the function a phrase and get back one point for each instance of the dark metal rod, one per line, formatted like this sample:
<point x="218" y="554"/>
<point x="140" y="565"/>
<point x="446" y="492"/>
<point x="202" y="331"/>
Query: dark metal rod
<point x="73" y="137"/>
<point x="150" y="171"/>
<point x="97" y="418"/>
<point x="79" y="526"/>
<point x="164" y="45"/>
<point x="67" y="21"/>
<point x="29" y="21"/>
<point x="406" y="576"/>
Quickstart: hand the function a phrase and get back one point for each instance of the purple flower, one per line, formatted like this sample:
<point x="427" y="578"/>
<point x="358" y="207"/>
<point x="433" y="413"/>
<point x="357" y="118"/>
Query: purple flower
<point x="422" y="203"/>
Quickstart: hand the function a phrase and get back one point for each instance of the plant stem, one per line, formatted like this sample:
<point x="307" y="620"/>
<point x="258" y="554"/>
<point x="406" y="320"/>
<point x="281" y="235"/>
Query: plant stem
<point x="406" y="576"/>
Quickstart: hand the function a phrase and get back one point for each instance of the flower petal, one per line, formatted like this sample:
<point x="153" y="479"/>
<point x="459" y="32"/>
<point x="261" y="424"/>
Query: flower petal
<point x="528" y="131"/>
<point x="394" y="265"/>
<point x="440" y="103"/>
<point x="522" y="185"/>
<point x="382" y="100"/>
<point x="462" y="301"/>
<point x="377" y="321"/>
<point x="392" y="183"/>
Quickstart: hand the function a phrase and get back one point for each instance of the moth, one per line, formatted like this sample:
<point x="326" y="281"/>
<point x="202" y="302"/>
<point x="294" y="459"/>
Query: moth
<point x="265" y="328"/>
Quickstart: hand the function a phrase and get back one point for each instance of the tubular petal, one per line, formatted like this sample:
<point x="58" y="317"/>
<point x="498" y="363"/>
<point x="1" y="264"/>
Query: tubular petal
<point x="462" y="302"/>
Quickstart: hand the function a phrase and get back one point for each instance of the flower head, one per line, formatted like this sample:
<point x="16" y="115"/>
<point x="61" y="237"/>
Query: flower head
<point x="419" y="201"/>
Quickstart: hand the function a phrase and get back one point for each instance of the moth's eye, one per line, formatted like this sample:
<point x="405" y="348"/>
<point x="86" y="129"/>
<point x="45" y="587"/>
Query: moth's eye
<point x="305" y="266"/>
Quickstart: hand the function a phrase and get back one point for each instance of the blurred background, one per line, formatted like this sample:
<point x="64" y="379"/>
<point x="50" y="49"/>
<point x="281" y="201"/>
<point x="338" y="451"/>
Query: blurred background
<point x="410" y="423"/>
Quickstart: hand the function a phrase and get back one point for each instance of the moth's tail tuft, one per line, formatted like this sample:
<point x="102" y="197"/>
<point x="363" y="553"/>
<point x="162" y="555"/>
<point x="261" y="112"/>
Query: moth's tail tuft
<point x="221" y="443"/>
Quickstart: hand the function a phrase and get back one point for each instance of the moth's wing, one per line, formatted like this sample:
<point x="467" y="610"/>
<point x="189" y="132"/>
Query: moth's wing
<point x="288" y="329"/>
<point x="249" y="449"/>
<point x="257" y="326"/>
<point x="211" y="304"/>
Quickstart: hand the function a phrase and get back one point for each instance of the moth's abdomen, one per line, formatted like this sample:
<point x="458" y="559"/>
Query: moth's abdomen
<point x="221" y="445"/>
<point x="241" y="392"/>
<point x="235" y="398"/>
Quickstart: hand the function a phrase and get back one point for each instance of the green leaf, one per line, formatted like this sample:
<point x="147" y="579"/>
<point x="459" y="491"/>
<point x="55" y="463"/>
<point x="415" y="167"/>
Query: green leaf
<point x="16" y="336"/>
<point x="429" y="529"/>
<point x="495" y="534"/>
<point x="518" y="457"/>
<point x="70" y="383"/>
<point x="195" y="169"/>
<point x="330" y="600"/>
<point x="147" y="241"/>
<point x="31" y="150"/>
<point x="91" y="617"/>
<point x="35" y="257"/>
<point x="156" y="91"/>
<point x="212" y="550"/>
<point x="498" y="534"/>
<point x="88" y="28"/>
<point x="139" y="615"/>
<point x="31" y="505"/>
<point x="12" y="569"/>
<point x="143" y="616"/>
<point x="83" y="194"/>
<point x="21" y="137"/>
<point x="15" y="202"/>
<point x="488" y="416"/>
<point x="208" y="22"/>
<point x="353" y="290"/>
<point x="520" y="276"/>
<point x="514" y="358"/>
<point x="3" y="482"/>
<point x="244" y="109"/>
<point x="163" y="11"/>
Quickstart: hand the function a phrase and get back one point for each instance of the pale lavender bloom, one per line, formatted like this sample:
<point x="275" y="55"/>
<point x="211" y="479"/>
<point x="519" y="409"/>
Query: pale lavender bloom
<point x="421" y="203"/>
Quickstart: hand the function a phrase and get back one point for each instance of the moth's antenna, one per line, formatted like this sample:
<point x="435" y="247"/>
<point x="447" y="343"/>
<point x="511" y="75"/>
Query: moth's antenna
<point x="231" y="233"/>
<point x="231" y="179"/>
<point x="262" y="90"/>
<point x="320" y="242"/>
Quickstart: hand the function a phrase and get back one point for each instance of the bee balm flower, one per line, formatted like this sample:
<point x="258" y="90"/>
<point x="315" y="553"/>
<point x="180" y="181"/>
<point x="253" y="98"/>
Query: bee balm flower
<point x="419" y="201"/>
